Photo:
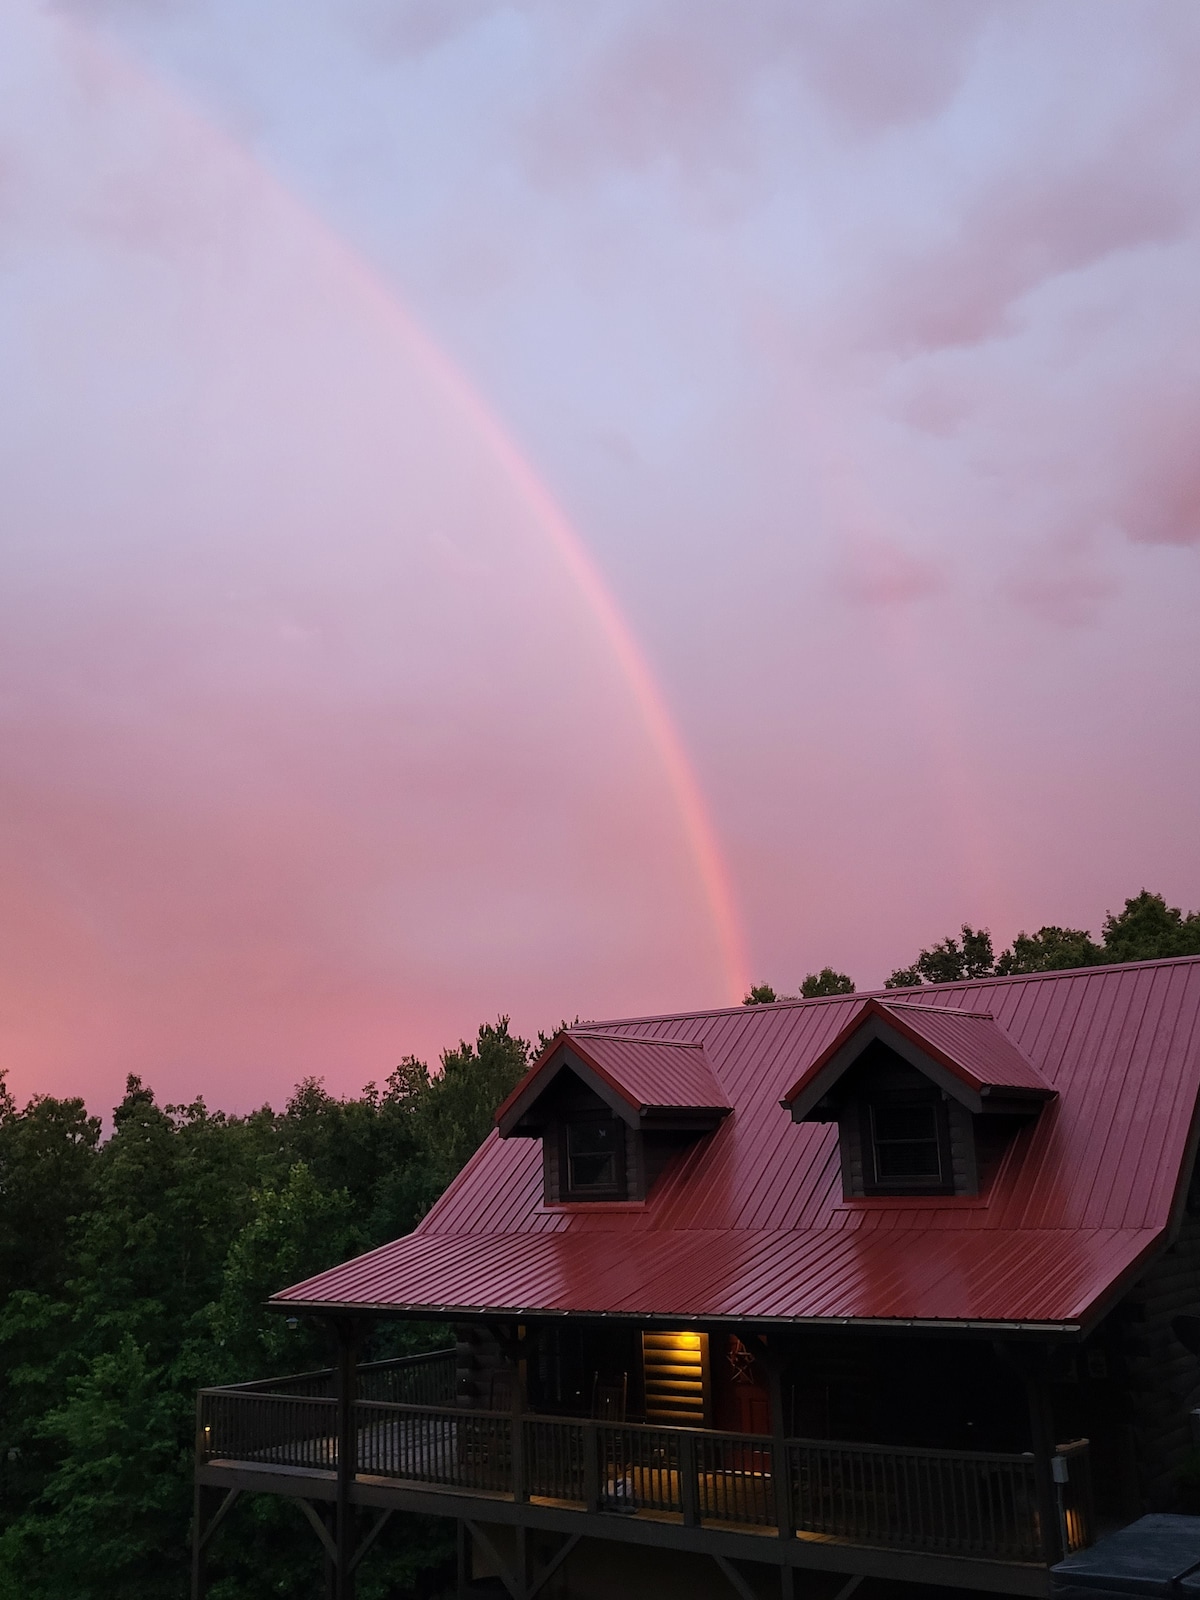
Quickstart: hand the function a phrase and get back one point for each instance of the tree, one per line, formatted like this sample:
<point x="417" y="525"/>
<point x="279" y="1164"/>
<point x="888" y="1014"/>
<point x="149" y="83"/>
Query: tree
<point x="760" y="994"/>
<point x="133" y="1271"/>
<point x="1050" y="949"/>
<point x="454" y="1115"/>
<point x="950" y="961"/>
<point x="1149" y="929"/>
<point x="827" y="981"/>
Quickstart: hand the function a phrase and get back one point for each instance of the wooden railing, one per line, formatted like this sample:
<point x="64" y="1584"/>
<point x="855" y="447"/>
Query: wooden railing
<point x="942" y="1501"/>
<point x="424" y="1380"/>
<point x="283" y="1430"/>
<point x="452" y="1448"/>
<point x="951" y="1502"/>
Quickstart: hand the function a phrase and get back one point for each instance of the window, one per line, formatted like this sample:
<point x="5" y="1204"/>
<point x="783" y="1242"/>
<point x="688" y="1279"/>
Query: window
<point x="595" y="1156"/>
<point x="908" y="1145"/>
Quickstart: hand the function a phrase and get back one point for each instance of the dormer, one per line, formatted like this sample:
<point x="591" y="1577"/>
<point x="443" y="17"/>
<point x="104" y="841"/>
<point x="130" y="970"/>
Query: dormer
<point x="926" y="1098"/>
<point x="611" y="1111"/>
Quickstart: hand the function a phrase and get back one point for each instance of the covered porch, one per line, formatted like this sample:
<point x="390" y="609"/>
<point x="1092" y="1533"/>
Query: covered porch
<point x="520" y="1427"/>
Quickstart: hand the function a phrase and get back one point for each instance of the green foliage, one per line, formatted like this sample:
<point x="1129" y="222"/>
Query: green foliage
<point x="1148" y="929"/>
<point x="948" y="962"/>
<point x="827" y="981"/>
<point x="133" y="1270"/>
<point x="454" y="1115"/>
<point x="761" y="994"/>
<point x="904" y="978"/>
<point x="1050" y="949"/>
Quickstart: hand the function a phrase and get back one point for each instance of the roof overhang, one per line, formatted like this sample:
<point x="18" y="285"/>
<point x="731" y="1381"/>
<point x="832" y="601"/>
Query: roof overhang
<point x="955" y="1327"/>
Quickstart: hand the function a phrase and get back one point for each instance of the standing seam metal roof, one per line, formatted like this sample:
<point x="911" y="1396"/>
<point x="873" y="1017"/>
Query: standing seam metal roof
<point x="750" y="1221"/>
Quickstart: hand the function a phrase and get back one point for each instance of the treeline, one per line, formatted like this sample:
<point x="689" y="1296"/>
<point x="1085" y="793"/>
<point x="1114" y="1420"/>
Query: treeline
<point x="133" y="1271"/>
<point x="1148" y="929"/>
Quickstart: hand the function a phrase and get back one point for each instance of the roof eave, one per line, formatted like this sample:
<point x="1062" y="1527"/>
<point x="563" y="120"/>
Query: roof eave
<point x="991" y="1328"/>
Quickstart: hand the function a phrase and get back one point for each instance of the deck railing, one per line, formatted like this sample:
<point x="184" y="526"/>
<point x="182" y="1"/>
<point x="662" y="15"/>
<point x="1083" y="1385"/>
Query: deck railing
<point x="282" y="1430"/>
<point x="966" y="1503"/>
<point x="423" y="1380"/>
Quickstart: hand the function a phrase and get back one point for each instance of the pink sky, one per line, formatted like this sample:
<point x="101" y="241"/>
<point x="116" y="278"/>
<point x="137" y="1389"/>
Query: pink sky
<point x="861" y="357"/>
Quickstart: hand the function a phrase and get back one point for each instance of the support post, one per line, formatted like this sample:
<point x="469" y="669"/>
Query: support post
<point x="199" y="1575"/>
<point x="781" y="1475"/>
<point x="523" y="1562"/>
<point x="519" y="1383"/>
<point x="689" y="1480"/>
<point x="464" y="1556"/>
<point x="348" y="1337"/>
<point x="1041" y="1428"/>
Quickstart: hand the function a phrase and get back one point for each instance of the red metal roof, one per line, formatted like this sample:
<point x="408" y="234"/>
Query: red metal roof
<point x="750" y="1222"/>
<point x="970" y="1045"/>
<point x="647" y="1074"/>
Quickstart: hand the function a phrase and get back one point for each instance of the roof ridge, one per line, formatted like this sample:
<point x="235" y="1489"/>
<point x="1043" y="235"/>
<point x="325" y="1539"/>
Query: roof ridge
<point x="603" y="1023"/>
<point x="599" y="1033"/>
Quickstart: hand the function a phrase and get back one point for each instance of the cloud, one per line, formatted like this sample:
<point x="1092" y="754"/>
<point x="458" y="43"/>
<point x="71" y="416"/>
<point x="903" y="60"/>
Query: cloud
<point x="315" y="750"/>
<point x="878" y="573"/>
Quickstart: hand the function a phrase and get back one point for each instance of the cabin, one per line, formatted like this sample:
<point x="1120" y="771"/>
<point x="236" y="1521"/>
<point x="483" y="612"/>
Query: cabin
<point x="816" y="1297"/>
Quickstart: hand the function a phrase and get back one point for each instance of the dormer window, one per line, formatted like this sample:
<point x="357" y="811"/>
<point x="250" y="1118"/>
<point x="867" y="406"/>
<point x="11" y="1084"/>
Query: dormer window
<point x="924" y="1098"/>
<point x="611" y="1112"/>
<point x="594" y="1156"/>
<point x="908" y="1144"/>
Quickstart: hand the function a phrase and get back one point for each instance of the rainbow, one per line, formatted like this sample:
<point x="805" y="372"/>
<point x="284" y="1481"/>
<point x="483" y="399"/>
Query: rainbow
<point x="566" y="542"/>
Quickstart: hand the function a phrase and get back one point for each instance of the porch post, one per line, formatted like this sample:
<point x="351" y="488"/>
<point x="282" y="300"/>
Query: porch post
<point x="519" y="1385"/>
<point x="1041" y="1427"/>
<point x="463" y="1560"/>
<point x="781" y="1476"/>
<point x="348" y="1336"/>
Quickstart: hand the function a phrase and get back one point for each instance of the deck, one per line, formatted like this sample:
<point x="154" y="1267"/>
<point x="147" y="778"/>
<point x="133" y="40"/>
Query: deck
<point x="964" y="1517"/>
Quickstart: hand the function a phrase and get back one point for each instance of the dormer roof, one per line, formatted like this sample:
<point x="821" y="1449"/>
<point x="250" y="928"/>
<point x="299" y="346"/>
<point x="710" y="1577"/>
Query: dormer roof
<point x="641" y="1080"/>
<point x="967" y="1053"/>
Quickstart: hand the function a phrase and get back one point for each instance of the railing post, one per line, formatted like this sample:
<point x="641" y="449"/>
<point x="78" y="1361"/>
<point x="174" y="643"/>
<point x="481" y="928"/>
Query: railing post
<point x="781" y="1475"/>
<point x="591" y="1466"/>
<point x="519" y="1477"/>
<point x="689" y="1479"/>
<point x="347" y="1335"/>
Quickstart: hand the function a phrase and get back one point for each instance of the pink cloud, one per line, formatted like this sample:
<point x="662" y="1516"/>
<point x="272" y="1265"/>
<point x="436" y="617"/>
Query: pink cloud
<point x="315" y="751"/>
<point x="875" y="572"/>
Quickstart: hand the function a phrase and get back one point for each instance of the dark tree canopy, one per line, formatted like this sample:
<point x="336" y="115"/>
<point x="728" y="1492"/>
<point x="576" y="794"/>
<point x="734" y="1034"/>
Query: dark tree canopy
<point x="133" y="1271"/>
<point x="950" y="961"/>
<point x="760" y="994"/>
<point x="827" y="981"/>
<point x="1050" y="949"/>
<point x="1148" y="929"/>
